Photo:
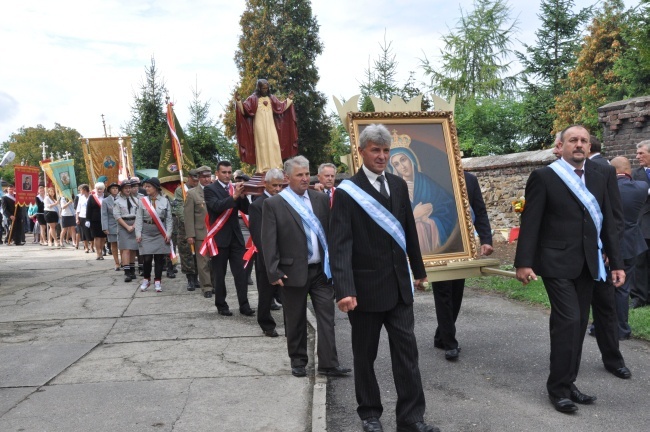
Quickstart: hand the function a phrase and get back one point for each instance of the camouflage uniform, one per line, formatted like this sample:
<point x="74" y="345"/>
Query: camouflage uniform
<point x="188" y="264"/>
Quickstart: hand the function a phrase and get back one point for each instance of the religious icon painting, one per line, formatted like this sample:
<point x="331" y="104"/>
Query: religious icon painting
<point x="425" y="153"/>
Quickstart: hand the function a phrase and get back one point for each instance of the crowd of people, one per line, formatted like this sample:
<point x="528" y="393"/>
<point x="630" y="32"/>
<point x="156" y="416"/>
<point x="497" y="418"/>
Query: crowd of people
<point x="584" y="231"/>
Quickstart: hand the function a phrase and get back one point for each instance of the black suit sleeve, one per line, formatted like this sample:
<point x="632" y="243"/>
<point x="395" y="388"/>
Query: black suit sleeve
<point x="217" y="201"/>
<point x="340" y="245"/>
<point x="255" y="223"/>
<point x="531" y="221"/>
<point x="481" y="221"/>
<point x="270" y="242"/>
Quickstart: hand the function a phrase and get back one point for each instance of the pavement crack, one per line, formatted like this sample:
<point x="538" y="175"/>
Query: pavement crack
<point x="187" y="398"/>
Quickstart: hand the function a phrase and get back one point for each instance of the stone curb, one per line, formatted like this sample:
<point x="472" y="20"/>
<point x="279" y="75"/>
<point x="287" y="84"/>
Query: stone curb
<point x="319" y="393"/>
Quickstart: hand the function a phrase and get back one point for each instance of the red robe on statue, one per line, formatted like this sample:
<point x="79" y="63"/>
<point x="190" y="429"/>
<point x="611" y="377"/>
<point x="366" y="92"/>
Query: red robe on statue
<point x="285" y="125"/>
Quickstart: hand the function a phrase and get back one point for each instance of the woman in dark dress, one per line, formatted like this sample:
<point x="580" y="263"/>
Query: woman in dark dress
<point x="94" y="218"/>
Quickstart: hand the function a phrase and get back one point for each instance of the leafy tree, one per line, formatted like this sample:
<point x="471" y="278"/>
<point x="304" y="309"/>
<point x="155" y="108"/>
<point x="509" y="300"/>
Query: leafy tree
<point x="593" y="82"/>
<point x="26" y="143"/>
<point x="280" y="42"/>
<point x="545" y="64"/>
<point x="633" y="67"/>
<point x="148" y="123"/>
<point x="490" y="126"/>
<point x="475" y="58"/>
<point x="205" y="138"/>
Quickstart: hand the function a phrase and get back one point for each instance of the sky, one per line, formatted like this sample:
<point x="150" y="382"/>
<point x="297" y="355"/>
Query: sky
<point x="70" y="61"/>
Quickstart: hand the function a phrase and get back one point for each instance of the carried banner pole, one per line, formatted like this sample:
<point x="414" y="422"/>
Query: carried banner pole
<point x="11" y="230"/>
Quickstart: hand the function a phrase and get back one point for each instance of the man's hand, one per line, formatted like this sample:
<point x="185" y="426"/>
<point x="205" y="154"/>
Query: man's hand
<point x="167" y="238"/>
<point x="525" y="275"/>
<point x="190" y="240"/>
<point x="12" y="217"/>
<point x="319" y="187"/>
<point x="239" y="190"/>
<point x="618" y="277"/>
<point x="279" y="281"/>
<point x="346" y="304"/>
<point x="486" y="249"/>
<point x="421" y="284"/>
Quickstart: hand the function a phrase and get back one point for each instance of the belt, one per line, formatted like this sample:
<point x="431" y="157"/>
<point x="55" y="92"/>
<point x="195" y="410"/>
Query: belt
<point x="314" y="265"/>
<point x="128" y="218"/>
<point x="152" y="222"/>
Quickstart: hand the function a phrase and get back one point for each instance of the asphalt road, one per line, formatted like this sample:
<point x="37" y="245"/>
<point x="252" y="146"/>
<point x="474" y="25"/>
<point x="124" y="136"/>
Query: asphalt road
<point x="498" y="384"/>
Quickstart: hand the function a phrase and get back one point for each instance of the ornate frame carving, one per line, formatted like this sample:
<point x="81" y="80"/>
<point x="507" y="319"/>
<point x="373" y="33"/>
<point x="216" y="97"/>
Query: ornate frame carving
<point x="436" y="155"/>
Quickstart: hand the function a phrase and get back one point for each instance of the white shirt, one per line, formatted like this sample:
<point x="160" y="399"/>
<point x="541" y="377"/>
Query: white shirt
<point x="82" y="204"/>
<point x="372" y="177"/>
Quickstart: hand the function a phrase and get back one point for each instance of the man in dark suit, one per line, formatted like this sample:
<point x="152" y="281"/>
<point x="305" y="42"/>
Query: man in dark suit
<point x="567" y="212"/>
<point x="373" y="282"/>
<point x="294" y="233"/>
<point x="448" y="295"/>
<point x="595" y="148"/>
<point x="273" y="185"/>
<point x="633" y="197"/>
<point x="14" y="216"/>
<point x="326" y="179"/>
<point x="222" y="197"/>
<point x="641" y="289"/>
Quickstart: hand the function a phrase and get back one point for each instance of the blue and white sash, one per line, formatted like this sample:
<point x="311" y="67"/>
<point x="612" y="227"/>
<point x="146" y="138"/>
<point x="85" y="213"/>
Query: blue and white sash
<point x="309" y="218"/>
<point x="575" y="184"/>
<point x="379" y="214"/>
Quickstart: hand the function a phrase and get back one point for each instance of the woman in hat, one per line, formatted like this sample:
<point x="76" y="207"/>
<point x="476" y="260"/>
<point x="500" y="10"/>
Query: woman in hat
<point x="94" y="218"/>
<point x="153" y="231"/>
<point x="109" y="225"/>
<point x="124" y="210"/>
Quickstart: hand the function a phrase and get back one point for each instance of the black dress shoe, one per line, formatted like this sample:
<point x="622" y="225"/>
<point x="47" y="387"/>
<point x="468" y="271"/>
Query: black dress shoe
<point x="578" y="397"/>
<point x="334" y="371"/>
<point x="247" y="312"/>
<point x="275" y="306"/>
<point x="271" y="333"/>
<point x="372" y="424"/>
<point x="563" y="405"/>
<point x="622" y="372"/>
<point x="298" y="371"/>
<point x="225" y="312"/>
<point x="207" y="294"/>
<point x="417" y="427"/>
<point x="636" y="303"/>
<point x="452" y="354"/>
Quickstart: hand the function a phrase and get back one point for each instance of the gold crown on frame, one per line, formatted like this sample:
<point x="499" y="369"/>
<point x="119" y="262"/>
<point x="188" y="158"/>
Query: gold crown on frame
<point x="400" y="140"/>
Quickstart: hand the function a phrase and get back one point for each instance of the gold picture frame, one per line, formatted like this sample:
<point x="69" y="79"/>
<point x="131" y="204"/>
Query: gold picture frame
<point x="425" y="152"/>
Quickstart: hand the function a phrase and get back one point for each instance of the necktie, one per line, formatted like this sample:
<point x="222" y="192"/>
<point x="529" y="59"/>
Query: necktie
<point x="647" y="173"/>
<point x="310" y="246"/>
<point x="382" y="187"/>
<point x="579" y="172"/>
<point x="329" y="193"/>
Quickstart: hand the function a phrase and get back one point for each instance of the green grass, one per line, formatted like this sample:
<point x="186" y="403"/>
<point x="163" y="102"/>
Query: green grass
<point x="534" y="293"/>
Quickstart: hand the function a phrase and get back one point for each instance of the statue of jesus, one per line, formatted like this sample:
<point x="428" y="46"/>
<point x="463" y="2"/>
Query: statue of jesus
<point x="267" y="131"/>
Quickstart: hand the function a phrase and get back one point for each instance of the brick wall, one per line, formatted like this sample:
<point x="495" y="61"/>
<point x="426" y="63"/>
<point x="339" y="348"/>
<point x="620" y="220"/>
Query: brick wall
<point x="625" y="123"/>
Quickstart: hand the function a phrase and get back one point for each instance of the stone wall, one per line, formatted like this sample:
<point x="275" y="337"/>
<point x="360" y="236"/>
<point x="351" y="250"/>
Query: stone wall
<point x="625" y="123"/>
<point x="503" y="179"/>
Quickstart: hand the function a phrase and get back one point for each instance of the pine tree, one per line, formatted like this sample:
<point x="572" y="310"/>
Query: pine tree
<point x="475" y="61"/>
<point x="206" y="140"/>
<point x="148" y="120"/>
<point x="545" y="64"/>
<point x="280" y="43"/>
<point x="593" y="82"/>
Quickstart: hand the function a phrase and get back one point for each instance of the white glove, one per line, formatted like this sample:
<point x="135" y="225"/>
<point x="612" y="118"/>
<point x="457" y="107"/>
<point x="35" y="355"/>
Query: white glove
<point x="87" y="224"/>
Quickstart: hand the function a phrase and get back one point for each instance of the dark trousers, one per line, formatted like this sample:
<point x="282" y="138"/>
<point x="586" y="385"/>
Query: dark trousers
<point x="622" y="295"/>
<point x="158" y="260"/>
<point x="642" y="279"/>
<point x="18" y="234"/>
<point x="234" y="254"/>
<point x="295" y="315"/>
<point x="448" y="296"/>
<point x="603" y="306"/>
<point x="570" y="299"/>
<point x="366" y="329"/>
<point x="265" y="293"/>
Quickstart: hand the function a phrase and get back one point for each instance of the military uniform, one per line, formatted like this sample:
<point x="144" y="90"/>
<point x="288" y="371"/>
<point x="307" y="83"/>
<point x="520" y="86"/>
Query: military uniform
<point x="188" y="263"/>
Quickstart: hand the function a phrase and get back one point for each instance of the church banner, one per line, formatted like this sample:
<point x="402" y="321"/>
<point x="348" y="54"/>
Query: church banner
<point x="174" y="149"/>
<point x="45" y="165"/>
<point x="104" y="156"/>
<point x="26" y="178"/>
<point x="64" y="177"/>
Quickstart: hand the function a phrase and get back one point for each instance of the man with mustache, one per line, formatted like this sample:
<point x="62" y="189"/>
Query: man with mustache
<point x="566" y="228"/>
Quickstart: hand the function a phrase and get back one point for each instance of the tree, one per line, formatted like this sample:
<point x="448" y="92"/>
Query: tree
<point x="26" y="143"/>
<point x="475" y="58"/>
<point x="547" y="63"/>
<point x="380" y="81"/>
<point x="280" y="43"/>
<point x="205" y="138"/>
<point x="148" y="123"/>
<point x="633" y="67"/>
<point x="593" y="82"/>
<point x="489" y="126"/>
